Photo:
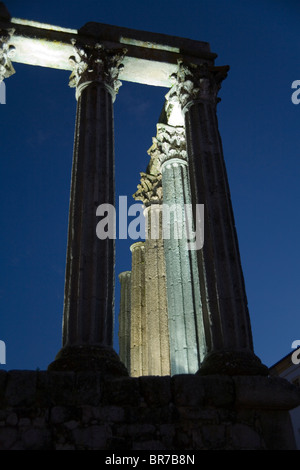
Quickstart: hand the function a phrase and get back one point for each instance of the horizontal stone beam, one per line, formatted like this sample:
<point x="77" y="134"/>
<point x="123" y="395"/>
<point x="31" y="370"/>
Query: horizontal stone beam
<point x="150" y="59"/>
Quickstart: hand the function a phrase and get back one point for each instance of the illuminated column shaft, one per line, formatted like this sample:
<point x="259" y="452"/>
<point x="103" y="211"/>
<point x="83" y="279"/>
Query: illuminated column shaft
<point x="156" y="308"/>
<point x="89" y="285"/>
<point x="138" y="340"/>
<point x="124" y="318"/>
<point x="187" y="342"/>
<point x="156" y="294"/>
<point x="186" y="332"/>
<point x="228" y="330"/>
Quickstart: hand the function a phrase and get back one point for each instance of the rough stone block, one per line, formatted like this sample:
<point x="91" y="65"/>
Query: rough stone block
<point x="61" y="387"/>
<point x="58" y="414"/>
<point x="148" y="445"/>
<point x="188" y="389"/>
<point x="12" y="419"/>
<point x="21" y="388"/>
<point x="3" y="380"/>
<point x="91" y="437"/>
<point x="137" y="431"/>
<point x="156" y="390"/>
<point x="35" y="439"/>
<point x="277" y="430"/>
<point x="8" y="437"/>
<point x="198" y="414"/>
<point x="266" y="393"/>
<point x="219" y="390"/>
<point x="214" y="436"/>
<point x="124" y="391"/>
<point x="110" y="414"/>
<point x="244" y="437"/>
<point x="88" y="388"/>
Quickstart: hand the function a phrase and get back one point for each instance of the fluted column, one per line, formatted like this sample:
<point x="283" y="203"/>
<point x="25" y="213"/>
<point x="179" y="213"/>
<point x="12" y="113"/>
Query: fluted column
<point x="89" y="284"/>
<point x="138" y="332"/>
<point x="124" y="318"/>
<point x="156" y="294"/>
<point x="227" y="326"/>
<point x="156" y="305"/>
<point x="186" y="332"/>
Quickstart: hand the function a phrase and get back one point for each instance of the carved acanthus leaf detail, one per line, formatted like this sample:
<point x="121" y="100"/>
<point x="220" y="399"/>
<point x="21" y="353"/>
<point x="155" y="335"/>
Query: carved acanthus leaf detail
<point x="6" y="53"/>
<point x="149" y="190"/>
<point x="95" y="63"/>
<point x="196" y="82"/>
<point x="170" y="142"/>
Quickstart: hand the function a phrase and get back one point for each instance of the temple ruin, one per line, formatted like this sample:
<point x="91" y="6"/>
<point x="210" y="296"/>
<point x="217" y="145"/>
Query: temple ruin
<point x="185" y="335"/>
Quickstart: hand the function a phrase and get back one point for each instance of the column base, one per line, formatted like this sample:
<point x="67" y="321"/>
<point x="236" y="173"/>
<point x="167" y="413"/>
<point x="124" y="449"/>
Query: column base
<point x="232" y="363"/>
<point x="89" y="358"/>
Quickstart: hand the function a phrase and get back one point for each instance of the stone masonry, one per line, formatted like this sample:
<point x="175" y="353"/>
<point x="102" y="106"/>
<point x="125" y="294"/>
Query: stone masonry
<point x="42" y="410"/>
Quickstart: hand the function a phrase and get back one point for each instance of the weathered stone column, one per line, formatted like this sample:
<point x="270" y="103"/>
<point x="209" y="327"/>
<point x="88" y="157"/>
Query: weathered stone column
<point x="186" y="331"/>
<point x="156" y="295"/>
<point x="138" y="340"/>
<point x="227" y="326"/>
<point x="156" y="306"/>
<point x="124" y="318"/>
<point x="89" y="286"/>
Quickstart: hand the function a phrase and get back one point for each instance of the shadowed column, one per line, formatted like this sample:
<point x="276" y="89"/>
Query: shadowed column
<point x="89" y="285"/>
<point x="124" y="318"/>
<point x="138" y="341"/>
<point x="228" y="334"/>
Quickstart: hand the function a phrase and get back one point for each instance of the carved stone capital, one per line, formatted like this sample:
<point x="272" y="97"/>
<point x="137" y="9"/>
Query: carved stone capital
<point x="196" y="83"/>
<point x="170" y="143"/>
<point x="149" y="190"/>
<point x="96" y="64"/>
<point x="6" y="53"/>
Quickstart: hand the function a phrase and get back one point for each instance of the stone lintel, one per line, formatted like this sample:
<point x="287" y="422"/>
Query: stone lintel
<point x="151" y="58"/>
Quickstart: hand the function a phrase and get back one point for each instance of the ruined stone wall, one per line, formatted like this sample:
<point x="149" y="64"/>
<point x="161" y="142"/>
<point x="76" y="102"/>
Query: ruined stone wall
<point x="44" y="410"/>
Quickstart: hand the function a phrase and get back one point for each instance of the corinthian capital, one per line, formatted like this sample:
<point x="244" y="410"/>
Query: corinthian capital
<point x="6" y="53"/>
<point x="95" y="63"/>
<point x="149" y="190"/>
<point x="170" y="143"/>
<point x="196" y="82"/>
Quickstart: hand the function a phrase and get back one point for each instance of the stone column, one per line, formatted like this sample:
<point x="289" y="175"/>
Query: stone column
<point x="156" y="295"/>
<point x="124" y="318"/>
<point x="156" y="306"/>
<point x="89" y="286"/>
<point x="186" y="331"/>
<point x="138" y="340"/>
<point x="227" y="326"/>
